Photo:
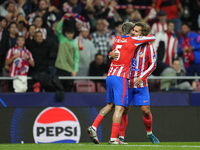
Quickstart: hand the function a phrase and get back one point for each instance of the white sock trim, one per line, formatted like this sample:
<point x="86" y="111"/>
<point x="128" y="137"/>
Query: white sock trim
<point x="113" y="139"/>
<point x="149" y="132"/>
<point x="121" y="137"/>
<point x="94" y="128"/>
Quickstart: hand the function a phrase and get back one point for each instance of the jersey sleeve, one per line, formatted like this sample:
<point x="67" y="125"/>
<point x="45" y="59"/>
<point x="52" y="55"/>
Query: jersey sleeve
<point x="9" y="54"/>
<point x="144" y="39"/>
<point x="152" y="60"/>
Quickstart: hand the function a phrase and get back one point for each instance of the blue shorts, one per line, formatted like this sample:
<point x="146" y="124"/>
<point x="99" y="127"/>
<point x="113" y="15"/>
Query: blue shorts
<point x="117" y="90"/>
<point x="139" y="96"/>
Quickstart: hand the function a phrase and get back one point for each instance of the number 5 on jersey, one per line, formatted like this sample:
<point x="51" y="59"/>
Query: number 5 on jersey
<point x="117" y="48"/>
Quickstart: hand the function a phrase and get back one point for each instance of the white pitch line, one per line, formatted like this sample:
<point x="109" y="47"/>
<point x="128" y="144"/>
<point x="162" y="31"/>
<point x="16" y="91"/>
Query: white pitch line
<point x="100" y="145"/>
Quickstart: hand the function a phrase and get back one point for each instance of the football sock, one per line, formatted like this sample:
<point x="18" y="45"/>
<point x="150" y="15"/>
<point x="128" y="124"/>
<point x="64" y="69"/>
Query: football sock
<point x="148" y="123"/>
<point x="123" y="125"/>
<point x="115" y="130"/>
<point x="97" y="121"/>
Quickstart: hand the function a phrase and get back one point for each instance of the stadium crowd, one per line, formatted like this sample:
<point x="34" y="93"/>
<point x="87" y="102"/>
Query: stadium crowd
<point x="74" y="38"/>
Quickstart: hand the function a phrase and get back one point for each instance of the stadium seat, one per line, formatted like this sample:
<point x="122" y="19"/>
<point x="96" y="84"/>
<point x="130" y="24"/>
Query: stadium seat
<point x="100" y="88"/>
<point x="4" y="86"/>
<point x="84" y="86"/>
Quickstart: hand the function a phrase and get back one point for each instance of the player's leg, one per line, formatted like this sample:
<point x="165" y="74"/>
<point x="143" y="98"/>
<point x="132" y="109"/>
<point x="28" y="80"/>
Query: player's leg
<point x="124" y="120"/>
<point x="123" y="124"/>
<point x="142" y="99"/>
<point x="116" y="124"/>
<point x="147" y="119"/>
<point x="92" y="130"/>
<point x="120" y="101"/>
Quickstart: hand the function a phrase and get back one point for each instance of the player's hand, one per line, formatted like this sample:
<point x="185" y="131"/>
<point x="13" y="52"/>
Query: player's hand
<point x="51" y="8"/>
<point x="138" y="81"/>
<point x="16" y="55"/>
<point x="190" y="49"/>
<point x="73" y="73"/>
<point x="184" y="49"/>
<point x="113" y="3"/>
<point x="25" y="56"/>
<point x="114" y="55"/>
<point x="22" y="2"/>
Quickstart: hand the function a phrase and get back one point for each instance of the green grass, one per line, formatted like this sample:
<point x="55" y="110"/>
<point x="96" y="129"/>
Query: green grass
<point x="105" y="146"/>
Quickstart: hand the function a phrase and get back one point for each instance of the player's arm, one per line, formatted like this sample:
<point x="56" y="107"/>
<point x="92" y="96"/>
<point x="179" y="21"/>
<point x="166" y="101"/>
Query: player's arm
<point x="10" y="58"/>
<point x="59" y="29"/>
<point x="152" y="60"/>
<point x="143" y="39"/>
<point x="28" y="57"/>
<point x="196" y="46"/>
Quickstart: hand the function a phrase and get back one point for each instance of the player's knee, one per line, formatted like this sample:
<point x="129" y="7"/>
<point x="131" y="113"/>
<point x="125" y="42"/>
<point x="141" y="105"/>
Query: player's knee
<point x="126" y="110"/>
<point x="110" y="106"/>
<point x="146" y="112"/>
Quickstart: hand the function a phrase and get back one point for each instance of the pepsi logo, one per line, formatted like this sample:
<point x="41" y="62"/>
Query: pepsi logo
<point x="56" y="125"/>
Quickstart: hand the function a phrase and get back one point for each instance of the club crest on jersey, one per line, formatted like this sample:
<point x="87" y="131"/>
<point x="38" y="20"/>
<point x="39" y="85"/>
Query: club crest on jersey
<point x="141" y="54"/>
<point x="123" y="40"/>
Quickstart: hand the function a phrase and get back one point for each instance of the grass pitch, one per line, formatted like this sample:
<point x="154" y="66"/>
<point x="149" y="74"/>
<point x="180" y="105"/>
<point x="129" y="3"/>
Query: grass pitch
<point x="105" y="146"/>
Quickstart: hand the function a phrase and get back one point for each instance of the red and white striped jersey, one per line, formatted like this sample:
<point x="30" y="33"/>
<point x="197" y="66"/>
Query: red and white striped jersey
<point x="158" y="27"/>
<point x="126" y="46"/>
<point x="171" y="46"/>
<point x="142" y="65"/>
<point x="43" y="30"/>
<point x="19" y="66"/>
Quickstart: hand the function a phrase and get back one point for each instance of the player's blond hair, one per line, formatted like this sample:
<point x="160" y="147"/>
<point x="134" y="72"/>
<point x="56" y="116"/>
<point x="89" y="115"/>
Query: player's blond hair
<point x="145" y="28"/>
<point x="127" y="27"/>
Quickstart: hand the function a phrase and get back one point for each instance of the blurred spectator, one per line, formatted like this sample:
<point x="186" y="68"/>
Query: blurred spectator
<point x="22" y="25"/>
<point x="98" y="7"/>
<point x="118" y="32"/>
<point x="38" y="23"/>
<point x="7" y="42"/>
<point x="127" y="17"/>
<point x="98" y="68"/>
<point x="52" y="39"/>
<point x="100" y="38"/>
<point x="89" y="14"/>
<point x="17" y="60"/>
<point x="10" y="12"/>
<point x="161" y="25"/>
<point x="166" y="44"/>
<point x="171" y="8"/>
<point x="189" y="49"/>
<point x="68" y="54"/>
<point x="191" y="13"/>
<point x="44" y="11"/>
<point x="162" y="69"/>
<point x="40" y="51"/>
<point x="3" y="25"/>
<point x="180" y="83"/>
<point x="31" y="33"/>
<point x="87" y="52"/>
<point x="75" y="7"/>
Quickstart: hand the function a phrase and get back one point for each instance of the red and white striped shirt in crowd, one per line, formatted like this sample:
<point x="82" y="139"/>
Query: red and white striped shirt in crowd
<point x="20" y="65"/>
<point x="142" y="65"/>
<point x="170" y="45"/>
<point x="43" y="30"/>
<point x="158" y="27"/>
<point x="126" y="46"/>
